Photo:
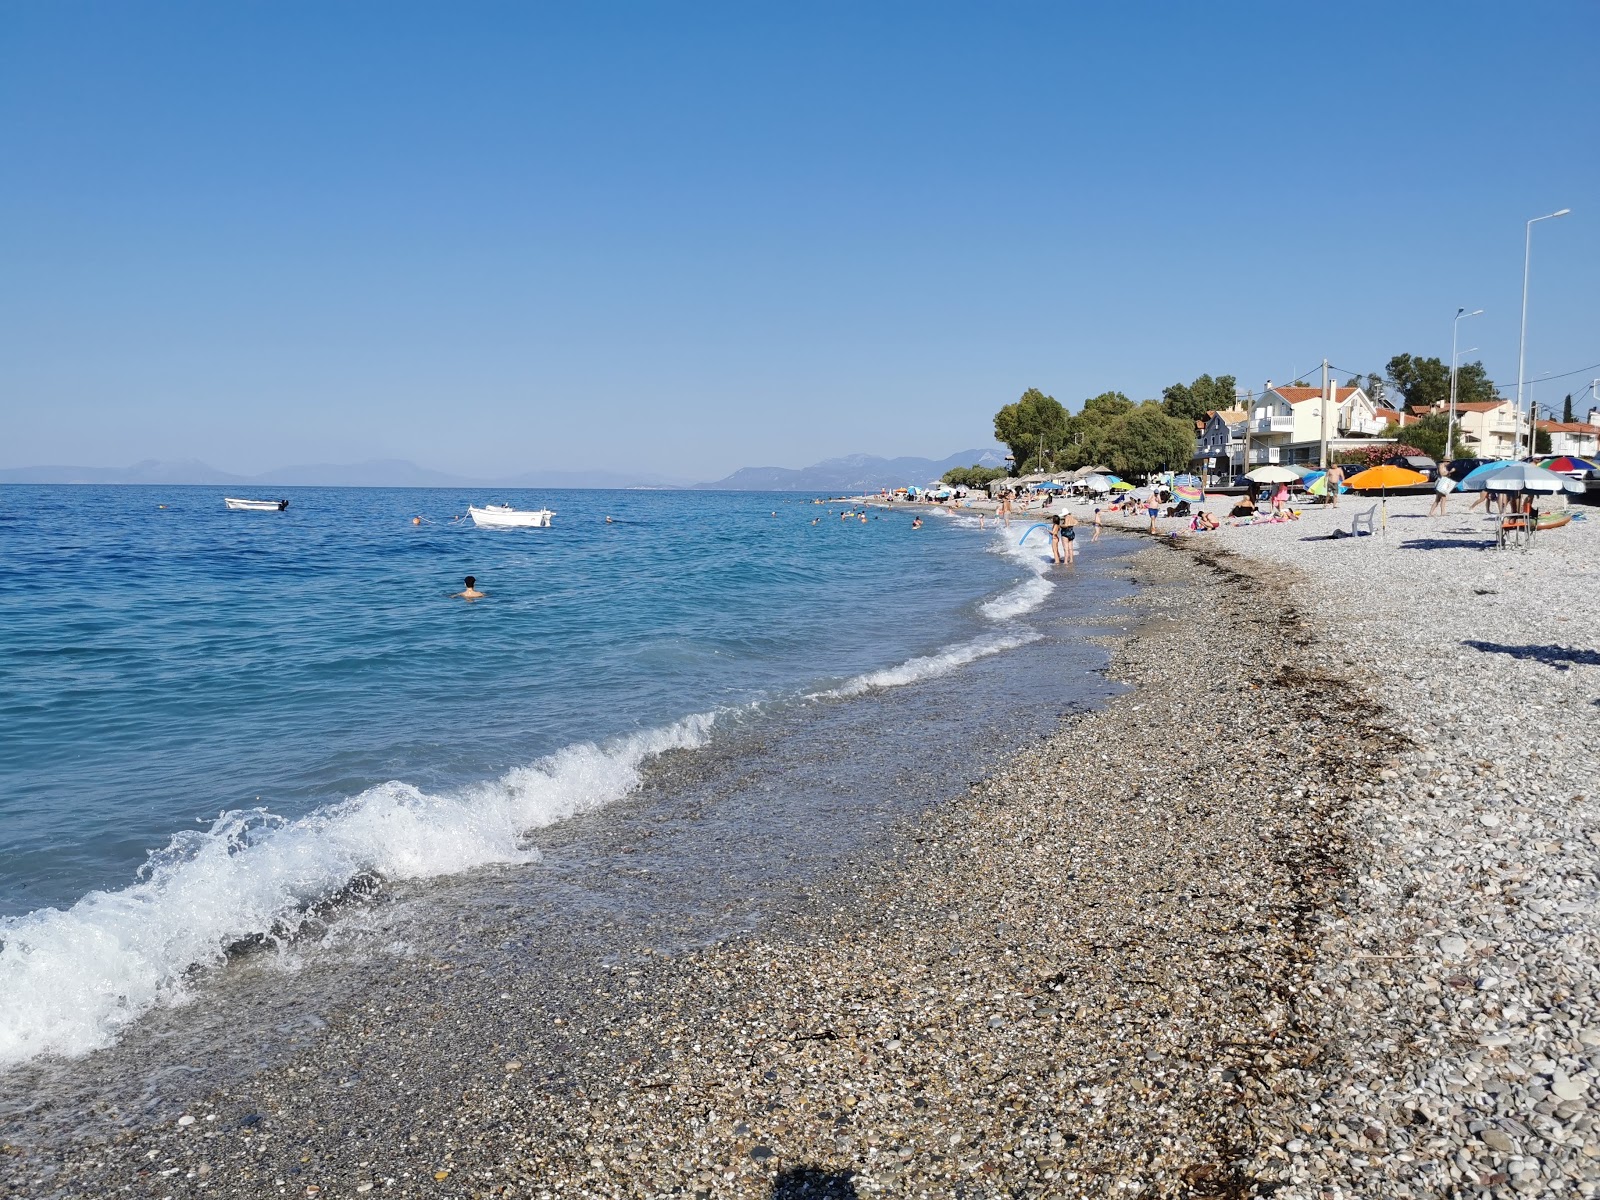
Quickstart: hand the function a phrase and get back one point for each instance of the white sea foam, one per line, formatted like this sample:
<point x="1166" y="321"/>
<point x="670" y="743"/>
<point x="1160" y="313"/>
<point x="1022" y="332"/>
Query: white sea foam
<point x="931" y="665"/>
<point x="72" y="980"/>
<point x="1031" y="592"/>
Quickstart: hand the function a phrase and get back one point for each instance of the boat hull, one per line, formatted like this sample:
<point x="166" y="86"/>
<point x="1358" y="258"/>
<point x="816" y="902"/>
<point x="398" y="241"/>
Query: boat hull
<point x="495" y="517"/>
<point x="237" y="505"/>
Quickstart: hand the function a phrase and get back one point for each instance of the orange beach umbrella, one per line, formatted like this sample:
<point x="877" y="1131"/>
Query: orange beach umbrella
<point x="1383" y="477"/>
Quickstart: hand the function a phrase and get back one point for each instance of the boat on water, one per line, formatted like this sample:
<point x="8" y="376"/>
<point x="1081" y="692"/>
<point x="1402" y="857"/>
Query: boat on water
<point x="238" y="505"/>
<point x="503" y="516"/>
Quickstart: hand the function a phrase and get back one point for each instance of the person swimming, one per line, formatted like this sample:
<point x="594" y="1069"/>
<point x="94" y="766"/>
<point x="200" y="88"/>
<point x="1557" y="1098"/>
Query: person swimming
<point x="916" y="522"/>
<point x="471" y="592"/>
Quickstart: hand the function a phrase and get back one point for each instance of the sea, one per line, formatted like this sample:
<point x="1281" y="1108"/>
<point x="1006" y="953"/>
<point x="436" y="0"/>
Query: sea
<point x="224" y="731"/>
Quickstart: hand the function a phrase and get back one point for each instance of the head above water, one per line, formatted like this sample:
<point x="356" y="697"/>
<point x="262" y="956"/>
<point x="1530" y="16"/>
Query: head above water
<point x="472" y="580"/>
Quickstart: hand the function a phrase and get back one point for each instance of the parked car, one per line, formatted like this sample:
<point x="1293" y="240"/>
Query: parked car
<point x="1419" y="463"/>
<point x="1460" y="468"/>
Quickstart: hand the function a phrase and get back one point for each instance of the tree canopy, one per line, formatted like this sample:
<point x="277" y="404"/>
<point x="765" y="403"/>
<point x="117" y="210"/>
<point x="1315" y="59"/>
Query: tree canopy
<point x="1146" y="440"/>
<point x="1428" y="436"/>
<point x="974" y="476"/>
<point x="1035" y="427"/>
<point x="1192" y="401"/>
<point x="1425" y="382"/>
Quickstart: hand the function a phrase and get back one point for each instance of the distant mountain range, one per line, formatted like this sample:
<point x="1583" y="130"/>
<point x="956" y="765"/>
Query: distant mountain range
<point x="853" y="473"/>
<point x="386" y="472"/>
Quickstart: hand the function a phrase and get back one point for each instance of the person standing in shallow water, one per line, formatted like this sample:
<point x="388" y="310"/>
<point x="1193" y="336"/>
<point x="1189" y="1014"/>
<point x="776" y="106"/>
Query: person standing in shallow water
<point x="471" y="592"/>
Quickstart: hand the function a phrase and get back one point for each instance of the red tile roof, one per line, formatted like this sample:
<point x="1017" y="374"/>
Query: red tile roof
<point x="1299" y="395"/>
<point x="1569" y="427"/>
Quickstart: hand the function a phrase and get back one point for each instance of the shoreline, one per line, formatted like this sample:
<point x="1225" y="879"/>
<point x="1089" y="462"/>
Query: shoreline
<point x="1083" y="971"/>
<point x="1287" y="917"/>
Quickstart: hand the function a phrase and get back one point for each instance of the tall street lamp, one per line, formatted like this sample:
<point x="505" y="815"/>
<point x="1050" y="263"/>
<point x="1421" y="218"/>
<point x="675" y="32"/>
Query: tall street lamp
<point x="1522" y="340"/>
<point x="1450" y="428"/>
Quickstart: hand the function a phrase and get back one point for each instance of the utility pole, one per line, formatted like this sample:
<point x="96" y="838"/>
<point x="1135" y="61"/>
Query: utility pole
<point x="1249" y="423"/>
<point x="1327" y="403"/>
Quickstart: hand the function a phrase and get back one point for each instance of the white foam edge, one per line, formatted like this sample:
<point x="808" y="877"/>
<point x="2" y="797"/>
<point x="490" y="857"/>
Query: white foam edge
<point x="73" y="980"/>
<point x="930" y="666"/>
<point x="1028" y="595"/>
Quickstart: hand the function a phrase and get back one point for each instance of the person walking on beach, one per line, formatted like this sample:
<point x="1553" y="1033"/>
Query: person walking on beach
<point x="1069" y="531"/>
<point x="1005" y="508"/>
<point x="1055" y="539"/>
<point x="471" y="592"/>
<point x="1442" y="488"/>
<point x="1333" y="483"/>
<point x="1097" y="526"/>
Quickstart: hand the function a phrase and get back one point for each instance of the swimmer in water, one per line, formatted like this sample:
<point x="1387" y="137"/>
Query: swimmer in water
<point x="472" y="592"/>
<point x="916" y="522"/>
<point x="416" y="520"/>
<point x="609" y="521"/>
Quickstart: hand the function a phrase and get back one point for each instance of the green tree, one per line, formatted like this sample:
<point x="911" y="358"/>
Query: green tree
<point x="1192" y="401"/>
<point x="1428" y="435"/>
<point x="1566" y="410"/>
<point x="1425" y="382"/>
<point x="972" y="477"/>
<point x="1147" y="440"/>
<point x="1541" y="441"/>
<point x="1086" y="433"/>
<point x="1035" y="425"/>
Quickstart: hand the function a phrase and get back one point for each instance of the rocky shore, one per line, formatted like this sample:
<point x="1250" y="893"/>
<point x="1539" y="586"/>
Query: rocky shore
<point x="1104" y="970"/>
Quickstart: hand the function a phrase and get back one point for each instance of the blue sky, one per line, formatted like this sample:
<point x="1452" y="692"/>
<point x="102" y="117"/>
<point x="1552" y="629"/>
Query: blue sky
<point x="688" y="237"/>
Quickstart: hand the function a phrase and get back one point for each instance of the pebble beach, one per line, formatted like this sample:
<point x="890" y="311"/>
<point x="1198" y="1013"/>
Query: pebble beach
<point x="1309" y="910"/>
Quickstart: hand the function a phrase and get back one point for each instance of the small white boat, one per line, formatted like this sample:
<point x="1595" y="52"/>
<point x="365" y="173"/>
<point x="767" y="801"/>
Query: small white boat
<point x="237" y="505"/>
<point x="503" y="516"/>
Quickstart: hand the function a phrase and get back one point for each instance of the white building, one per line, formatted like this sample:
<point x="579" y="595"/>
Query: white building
<point x="1286" y="424"/>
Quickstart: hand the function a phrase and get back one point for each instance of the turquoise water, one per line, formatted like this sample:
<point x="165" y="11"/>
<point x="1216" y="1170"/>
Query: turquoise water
<point x="211" y="720"/>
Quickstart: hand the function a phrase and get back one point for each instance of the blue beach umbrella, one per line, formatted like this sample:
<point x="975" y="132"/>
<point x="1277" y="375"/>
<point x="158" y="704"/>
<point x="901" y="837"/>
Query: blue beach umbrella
<point x="1316" y="484"/>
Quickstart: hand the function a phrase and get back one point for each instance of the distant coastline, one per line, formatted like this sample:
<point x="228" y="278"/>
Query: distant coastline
<point x="852" y="473"/>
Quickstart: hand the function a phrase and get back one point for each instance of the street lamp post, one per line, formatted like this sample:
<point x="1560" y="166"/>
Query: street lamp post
<point x="1522" y="340"/>
<point x="1450" y="428"/>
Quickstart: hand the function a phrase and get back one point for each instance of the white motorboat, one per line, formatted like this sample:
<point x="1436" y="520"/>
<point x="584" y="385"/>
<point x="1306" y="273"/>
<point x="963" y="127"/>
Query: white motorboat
<point x="237" y="505"/>
<point x="503" y="516"/>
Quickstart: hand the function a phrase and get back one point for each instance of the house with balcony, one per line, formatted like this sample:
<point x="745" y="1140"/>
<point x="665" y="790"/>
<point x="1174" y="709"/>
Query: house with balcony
<point x="1491" y="428"/>
<point x="1581" y="439"/>
<point x="1219" y="442"/>
<point x="1286" y="424"/>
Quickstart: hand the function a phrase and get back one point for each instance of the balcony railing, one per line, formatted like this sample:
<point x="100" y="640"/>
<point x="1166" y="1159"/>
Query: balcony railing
<point x="1272" y="425"/>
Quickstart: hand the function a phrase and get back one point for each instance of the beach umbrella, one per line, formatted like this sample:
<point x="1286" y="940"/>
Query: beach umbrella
<point x="1122" y="485"/>
<point x="1096" y="483"/>
<point x="1567" y="462"/>
<point x="1188" y="487"/>
<point x="1272" y="474"/>
<point x="1520" y="477"/>
<point x="1300" y="471"/>
<point x="1382" y="478"/>
<point x="1472" y="481"/>
<point x="1316" y="484"/>
<point x="1049" y="485"/>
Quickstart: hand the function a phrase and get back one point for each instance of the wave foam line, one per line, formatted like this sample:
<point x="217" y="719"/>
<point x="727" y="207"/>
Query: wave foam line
<point x="931" y="665"/>
<point x="1025" y="596"/>
<point x="74" y="980"/>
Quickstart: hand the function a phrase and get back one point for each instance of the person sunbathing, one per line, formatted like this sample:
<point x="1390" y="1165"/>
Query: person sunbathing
<point x="1243" y="507"/>
<point x="1204" y="521"/>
